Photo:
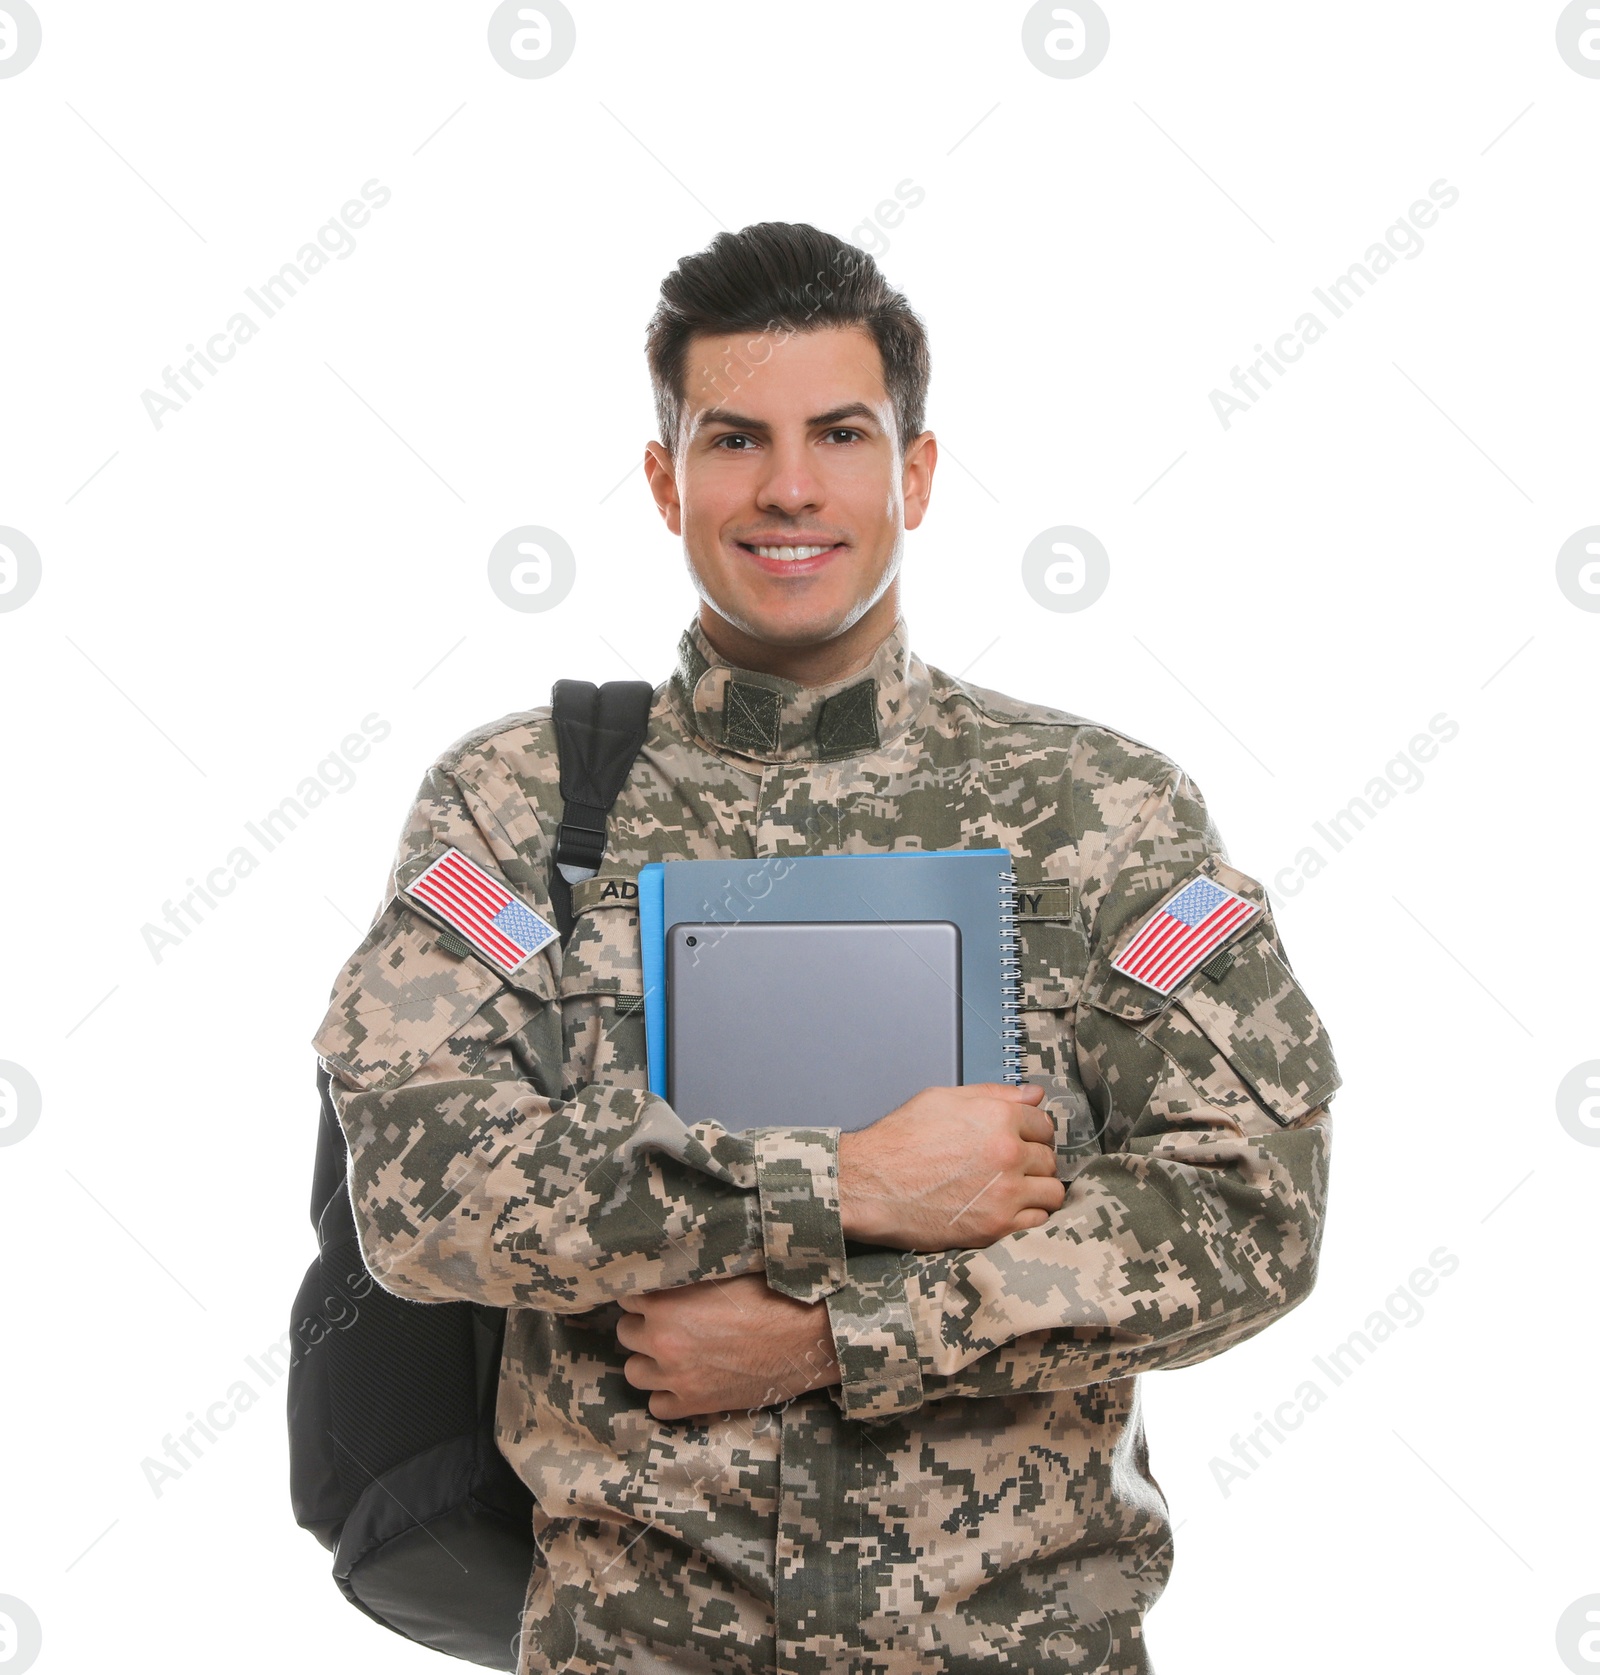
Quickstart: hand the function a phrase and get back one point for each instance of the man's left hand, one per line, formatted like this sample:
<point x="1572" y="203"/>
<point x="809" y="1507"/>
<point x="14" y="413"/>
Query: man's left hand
<point x="722" y="1345"/>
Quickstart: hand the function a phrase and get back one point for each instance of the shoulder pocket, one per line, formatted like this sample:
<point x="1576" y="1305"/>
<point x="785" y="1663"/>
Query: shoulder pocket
<point x="409" y="986"/>
<point x="1242" y="1005"/>
<point x="1259" y="1018"/>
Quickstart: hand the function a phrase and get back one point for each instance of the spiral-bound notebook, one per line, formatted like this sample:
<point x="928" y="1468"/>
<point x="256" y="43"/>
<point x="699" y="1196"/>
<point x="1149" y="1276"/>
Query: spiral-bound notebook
<point x="779" y="1044"/>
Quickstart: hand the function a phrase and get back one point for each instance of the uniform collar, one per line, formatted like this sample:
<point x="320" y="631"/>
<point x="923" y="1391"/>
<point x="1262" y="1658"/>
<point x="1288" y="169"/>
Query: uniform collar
<point x="744" y="712"/>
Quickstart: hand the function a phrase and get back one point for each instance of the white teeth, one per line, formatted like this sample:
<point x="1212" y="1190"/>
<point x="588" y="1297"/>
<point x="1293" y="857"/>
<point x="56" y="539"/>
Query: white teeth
<point x="788" y="553"/>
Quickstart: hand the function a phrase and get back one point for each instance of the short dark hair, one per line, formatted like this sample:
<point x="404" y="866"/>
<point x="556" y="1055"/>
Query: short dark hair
<point x="784" y="275"/>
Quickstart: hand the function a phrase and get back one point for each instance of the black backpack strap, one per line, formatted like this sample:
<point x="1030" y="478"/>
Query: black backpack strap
<point x="599" y="730"/>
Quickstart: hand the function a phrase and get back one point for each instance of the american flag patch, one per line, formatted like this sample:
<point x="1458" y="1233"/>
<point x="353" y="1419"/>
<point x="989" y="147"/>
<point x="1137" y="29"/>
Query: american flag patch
<point x="482" y="909"/>
<point x="1177" y="937"/>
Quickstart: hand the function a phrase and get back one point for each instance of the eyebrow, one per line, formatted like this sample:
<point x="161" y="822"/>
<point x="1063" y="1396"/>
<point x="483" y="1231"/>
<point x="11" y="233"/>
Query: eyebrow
<point x="835" y="415"/>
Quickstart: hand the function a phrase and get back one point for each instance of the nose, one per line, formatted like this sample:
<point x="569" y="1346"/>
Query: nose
<point x="791" y="483"/>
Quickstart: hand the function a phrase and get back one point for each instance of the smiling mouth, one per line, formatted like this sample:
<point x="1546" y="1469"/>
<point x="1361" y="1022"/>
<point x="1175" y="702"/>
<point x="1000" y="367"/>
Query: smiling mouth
<point x="789" y="554"/>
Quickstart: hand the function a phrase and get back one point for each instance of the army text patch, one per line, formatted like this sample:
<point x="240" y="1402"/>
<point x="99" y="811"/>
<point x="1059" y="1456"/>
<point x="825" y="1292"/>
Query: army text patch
<point x="1177" y="937"/>
<point x="482" y="909"/>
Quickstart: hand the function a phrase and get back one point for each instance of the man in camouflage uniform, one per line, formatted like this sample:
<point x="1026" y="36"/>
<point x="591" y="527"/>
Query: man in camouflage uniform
<point x="771" y="1419"/>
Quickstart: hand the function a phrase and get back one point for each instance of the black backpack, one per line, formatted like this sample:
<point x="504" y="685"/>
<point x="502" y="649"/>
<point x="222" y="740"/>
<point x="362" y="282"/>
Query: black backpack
<point x="393" y="1464"/>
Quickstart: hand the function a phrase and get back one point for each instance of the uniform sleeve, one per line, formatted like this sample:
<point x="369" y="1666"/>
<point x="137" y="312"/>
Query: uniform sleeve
<point x="1197" y="1219"/>
<point x="486" y="1164"/>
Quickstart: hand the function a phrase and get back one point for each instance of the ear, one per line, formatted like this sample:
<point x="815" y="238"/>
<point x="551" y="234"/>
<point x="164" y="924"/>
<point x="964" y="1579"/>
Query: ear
<point x="662" y="477"/>
<point x="916" y="477"/>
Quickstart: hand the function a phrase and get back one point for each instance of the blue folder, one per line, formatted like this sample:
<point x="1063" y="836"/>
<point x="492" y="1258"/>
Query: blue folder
<point x="974" y="888"/>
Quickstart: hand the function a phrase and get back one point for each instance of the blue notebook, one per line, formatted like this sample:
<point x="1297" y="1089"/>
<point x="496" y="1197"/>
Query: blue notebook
<point x="974" y="889"/>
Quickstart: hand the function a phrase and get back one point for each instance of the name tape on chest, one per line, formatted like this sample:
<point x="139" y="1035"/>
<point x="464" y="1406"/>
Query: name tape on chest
<point x="481" y="909"/>
<point x="1178" y="937"/>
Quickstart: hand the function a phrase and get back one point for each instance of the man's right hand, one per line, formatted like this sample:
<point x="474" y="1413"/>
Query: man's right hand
<point x="951" y="1169"/>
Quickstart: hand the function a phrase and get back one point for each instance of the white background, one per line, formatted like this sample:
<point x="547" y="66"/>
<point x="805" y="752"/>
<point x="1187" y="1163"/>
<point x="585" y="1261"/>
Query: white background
<point x="1372" y="545"/>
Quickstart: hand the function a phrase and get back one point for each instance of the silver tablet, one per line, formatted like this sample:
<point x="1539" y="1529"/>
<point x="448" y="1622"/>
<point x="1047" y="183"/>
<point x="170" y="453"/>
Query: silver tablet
<point x="816" y="1024"/>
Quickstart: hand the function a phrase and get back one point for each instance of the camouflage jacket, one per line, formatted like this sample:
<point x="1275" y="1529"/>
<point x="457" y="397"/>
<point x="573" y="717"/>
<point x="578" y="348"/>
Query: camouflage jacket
<point x="975" y="1494"/>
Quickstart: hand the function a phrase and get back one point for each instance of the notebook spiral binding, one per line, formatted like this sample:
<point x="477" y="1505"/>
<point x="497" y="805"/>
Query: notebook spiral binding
<point x="1010" y="977"/>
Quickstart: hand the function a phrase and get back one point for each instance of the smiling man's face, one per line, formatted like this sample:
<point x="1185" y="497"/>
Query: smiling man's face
<point x="788" y="446"/>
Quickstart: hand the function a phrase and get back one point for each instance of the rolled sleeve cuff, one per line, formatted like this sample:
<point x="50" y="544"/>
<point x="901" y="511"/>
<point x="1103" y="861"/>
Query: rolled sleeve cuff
<point x="875" y="1340"/>
<point x="797" y="1178"/>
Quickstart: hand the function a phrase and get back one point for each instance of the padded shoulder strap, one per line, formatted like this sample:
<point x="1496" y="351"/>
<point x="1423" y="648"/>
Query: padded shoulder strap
<point x="599" y="730"/>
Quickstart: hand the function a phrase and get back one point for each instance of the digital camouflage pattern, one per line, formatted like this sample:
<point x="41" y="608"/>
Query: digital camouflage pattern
<point x="975" y="1495"/>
